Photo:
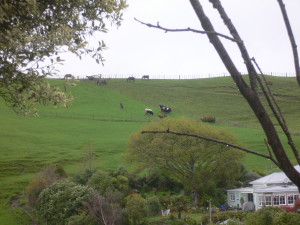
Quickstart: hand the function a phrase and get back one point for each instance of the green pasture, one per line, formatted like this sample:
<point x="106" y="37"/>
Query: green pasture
<point x="95" y="122"/>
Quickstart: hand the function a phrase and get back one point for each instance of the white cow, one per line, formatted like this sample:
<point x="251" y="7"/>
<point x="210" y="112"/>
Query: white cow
<point x="149" y="112"/>
<point x="165" y="212"/>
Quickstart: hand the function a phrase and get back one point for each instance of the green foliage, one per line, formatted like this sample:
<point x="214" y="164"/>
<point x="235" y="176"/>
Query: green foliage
<point x="136" y="208"/>
<point x="105" y="209"/>
<point x="153" y="205"/>
<point x="264" y="216"/>
<point x="287" y="218"/>
<point x="84" y="177"/>
<point x="62" y="200"/>
<point x="45" y="178"/>
<point x="188" y="159"/>
<point x="32" y="33"/>
<point x="208" y="119"/>
<point x="101" y="181"/>
<point x="121" y="183"/>
<point x="180" y="203"/>
<point x="81" y="219"/>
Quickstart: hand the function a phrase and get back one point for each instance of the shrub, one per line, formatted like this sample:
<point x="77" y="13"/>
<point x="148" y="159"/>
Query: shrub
<point x="101" y="181"/>
<point x="62" y="200"/>
<point x="287" y="218"/>
<point x="81" y="219"/>
<point x="83" y="178"/>
<point x="264" y="216"/>
<point x="153" y="206"/>
<point x="222" y="216"/>
<point x="105" y="209"/>
<point x="48" y="175"/>
<point x="136" y="208"/>
<point x="208" y="119"/>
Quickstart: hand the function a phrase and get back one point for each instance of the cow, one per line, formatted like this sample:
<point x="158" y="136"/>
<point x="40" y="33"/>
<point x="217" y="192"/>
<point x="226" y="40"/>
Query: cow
<point x="67" y="76"/>
<point x="149" y="112"/>
<point x="91" y="77"/>
<point x="100" y="82"/>
<point x="165" y="212"/>
<point x="130" y="79"/>
<point x="145" y="77"/>
<point x="161" y="116"/>
<point x="165" y="109"/>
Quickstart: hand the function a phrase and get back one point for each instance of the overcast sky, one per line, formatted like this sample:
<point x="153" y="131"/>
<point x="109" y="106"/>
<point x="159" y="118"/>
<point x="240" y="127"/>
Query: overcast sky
<point x="135" y="49"/>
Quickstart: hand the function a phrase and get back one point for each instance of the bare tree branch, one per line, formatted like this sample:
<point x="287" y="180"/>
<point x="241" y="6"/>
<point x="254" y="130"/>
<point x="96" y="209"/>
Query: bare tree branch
<point x="227" y="21"/>
<point x="292" y="39"/>
<point x="187" y="29"/>
<point x="277" y="112"/>
<point x="251" y="95"/>
<point x="216" y="141"/>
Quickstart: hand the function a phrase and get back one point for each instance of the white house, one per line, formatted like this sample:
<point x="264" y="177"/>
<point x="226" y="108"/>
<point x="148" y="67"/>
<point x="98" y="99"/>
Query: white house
<point x="272" y="190"/>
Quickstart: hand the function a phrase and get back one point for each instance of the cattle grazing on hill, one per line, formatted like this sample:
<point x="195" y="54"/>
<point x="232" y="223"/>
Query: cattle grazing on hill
<point x="149" y="112"/>
<point x="145" y="77"/>
<point x="130" y="79"/>
<point x="165" y="108"/>
<point x="101" y="82"/>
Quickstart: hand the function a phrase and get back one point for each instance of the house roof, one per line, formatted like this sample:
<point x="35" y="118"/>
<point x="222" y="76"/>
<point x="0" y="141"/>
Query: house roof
<point x="274" y="178"/>
<point x="272" y="189"/>
<point x="243" y="189"/>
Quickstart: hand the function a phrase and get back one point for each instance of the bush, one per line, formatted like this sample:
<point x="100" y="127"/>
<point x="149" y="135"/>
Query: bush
<point x="101" y="181"/>
<point x="222" y="216"/>
<point x="62" y="200"/>
<point x="287" y="218"/>
<point x="153" y="206"/>
<point x="136" y="209"/>
<point x="48" y="175"/>
<point x="264" y="216"/>
<point x="208" y="119"/>
<point x="80" y="220"/>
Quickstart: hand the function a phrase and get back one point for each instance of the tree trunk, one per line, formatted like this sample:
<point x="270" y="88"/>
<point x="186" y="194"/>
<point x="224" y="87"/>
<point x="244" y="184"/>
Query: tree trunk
<point x="251" y="96"/>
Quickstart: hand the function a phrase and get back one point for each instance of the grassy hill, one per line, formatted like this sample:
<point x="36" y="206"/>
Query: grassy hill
<point x="95" y="122"/>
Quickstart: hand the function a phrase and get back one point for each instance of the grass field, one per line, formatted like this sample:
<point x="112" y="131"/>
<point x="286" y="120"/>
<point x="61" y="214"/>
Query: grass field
<point x="95" y="120"/>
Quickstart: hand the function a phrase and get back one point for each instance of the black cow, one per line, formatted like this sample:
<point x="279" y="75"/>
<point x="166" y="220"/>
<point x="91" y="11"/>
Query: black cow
<point x="130" y="79"/>
<point x="145" y="77"/>
<point x="101" y="82"/>
<point x="165" y="109"/>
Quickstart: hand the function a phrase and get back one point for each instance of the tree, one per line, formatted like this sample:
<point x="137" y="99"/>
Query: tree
<point x="48" y="175"/>
<point x="250" y="90"/>
<point x="62" y="200"/>
<point x="101" y="181"/>
<point x="180" y="203"/>
<point x="136" y="208"/>
<point x="106" y="209"/>
<point x="194" y="162"/>
<point x="33" y="33"/>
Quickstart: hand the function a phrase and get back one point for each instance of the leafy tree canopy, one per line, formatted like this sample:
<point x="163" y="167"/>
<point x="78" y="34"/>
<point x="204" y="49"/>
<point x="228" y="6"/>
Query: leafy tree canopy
<point x="195" y="162"/>
<point x="33" y="33"/>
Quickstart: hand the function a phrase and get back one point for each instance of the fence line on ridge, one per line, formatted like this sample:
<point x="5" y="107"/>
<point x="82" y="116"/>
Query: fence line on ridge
<point x="179" y="76"/>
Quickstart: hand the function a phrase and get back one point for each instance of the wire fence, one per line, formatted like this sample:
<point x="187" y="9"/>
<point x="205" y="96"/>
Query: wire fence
<point x="177" y="76"/>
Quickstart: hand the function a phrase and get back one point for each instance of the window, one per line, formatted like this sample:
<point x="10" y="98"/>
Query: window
<point x="261" y="200"/>
<point x="282" y="200"/>
<point x="232" y="197"/>
<point x="276" y="200"/>
<point x="291" y="198"/>
<point x="268" y="200"/>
